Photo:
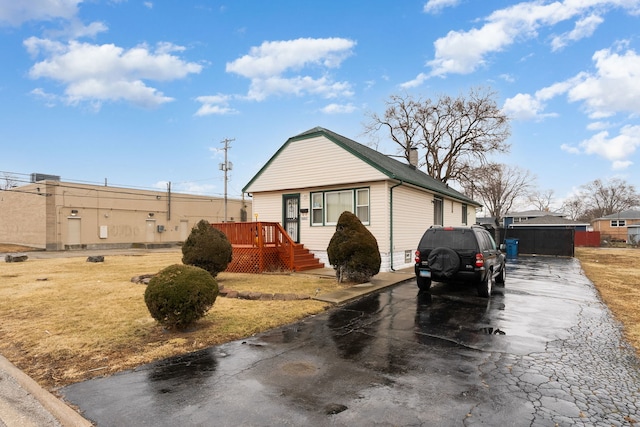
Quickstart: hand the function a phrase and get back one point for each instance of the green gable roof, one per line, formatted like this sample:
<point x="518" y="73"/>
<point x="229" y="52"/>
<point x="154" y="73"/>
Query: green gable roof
<point x="392" y="168"/>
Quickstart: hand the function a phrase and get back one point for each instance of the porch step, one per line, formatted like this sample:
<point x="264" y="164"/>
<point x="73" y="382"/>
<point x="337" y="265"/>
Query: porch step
<point x="305" y="260"/>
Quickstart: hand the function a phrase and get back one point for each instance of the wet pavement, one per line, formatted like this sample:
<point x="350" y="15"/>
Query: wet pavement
<point x="543" y="351"/>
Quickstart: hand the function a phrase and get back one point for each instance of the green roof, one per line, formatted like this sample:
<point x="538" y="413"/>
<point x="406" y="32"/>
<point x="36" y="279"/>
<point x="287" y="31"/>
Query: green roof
<point x="392" y="168"/>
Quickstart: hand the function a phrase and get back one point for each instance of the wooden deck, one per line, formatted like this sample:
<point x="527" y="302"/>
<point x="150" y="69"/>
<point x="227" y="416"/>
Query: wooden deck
<point x="265" y="246"/>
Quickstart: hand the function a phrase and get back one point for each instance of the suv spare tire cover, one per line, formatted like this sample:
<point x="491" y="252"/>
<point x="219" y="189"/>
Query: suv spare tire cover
<point x="444" y="261"/>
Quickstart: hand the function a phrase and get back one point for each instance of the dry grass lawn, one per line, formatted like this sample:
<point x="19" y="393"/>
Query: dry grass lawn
<point x="65" y="320"/>
<point x="616" y="274"/>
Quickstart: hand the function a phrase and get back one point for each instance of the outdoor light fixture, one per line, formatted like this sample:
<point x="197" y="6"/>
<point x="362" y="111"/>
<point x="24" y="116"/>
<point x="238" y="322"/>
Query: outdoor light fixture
<point x="150" y="214"/>
<point x="74" y="212"/>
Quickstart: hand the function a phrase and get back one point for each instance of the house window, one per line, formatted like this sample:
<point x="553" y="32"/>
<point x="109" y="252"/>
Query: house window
<point x="328" y="206"/>
<point x="464" y="214"/>
<point x="437" y="211"/>
<point x="362" y="205"/>
<point x="618" y="223"/>
<point x="317" y="208"/>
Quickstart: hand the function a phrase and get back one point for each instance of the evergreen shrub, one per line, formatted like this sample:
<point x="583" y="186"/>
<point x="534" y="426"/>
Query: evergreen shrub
<point x="207" y="248"/>
<point x="353" y="250"/>
<point x="179" y="295"/>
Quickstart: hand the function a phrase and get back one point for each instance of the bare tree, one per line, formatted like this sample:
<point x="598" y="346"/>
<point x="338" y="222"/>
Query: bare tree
<point x="453" y="135"/>
<point x="573" y="208"/>
<point x="498" y="187"/>
<point x="597" y="199"/>
<point x="541" y="200"/>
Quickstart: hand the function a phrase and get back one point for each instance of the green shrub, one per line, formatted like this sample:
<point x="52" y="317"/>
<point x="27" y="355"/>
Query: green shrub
<point x="179" y="295"/>
<point x="353" y="250"/>
<point x="207" y="248"/>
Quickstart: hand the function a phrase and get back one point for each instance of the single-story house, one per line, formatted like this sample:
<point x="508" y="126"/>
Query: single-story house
<point x="318" y="174"/>
<point x="550" y="222"/>
<point x="56" y="215"/>
<point x="615" y="226"/>
<point x="518" y="217"/>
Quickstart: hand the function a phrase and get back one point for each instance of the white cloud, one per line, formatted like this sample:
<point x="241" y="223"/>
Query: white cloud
<point x="420" y="78"/>
<point x="274" y="68"/>
<point x="435" y="6"/>
<point x="616" y="149"/>
<point x="522" y="107"/>
<point x="16" y="12"/>
<point x="613" y="88"/>
<point x="596" y="126"/>
<point x="338" y="109"/>
<point x="215" y="104"/>
<point x="462" y="52"/>
<point x="570" y="149"/>
<point x="583" y="28"/>
<point x="98" y="73"/>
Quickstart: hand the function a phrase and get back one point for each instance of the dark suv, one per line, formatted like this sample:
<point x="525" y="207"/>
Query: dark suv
<point x="459" y="254"/>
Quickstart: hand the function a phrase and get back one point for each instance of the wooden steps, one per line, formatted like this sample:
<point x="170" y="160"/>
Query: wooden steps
<point x="304" y="260"/>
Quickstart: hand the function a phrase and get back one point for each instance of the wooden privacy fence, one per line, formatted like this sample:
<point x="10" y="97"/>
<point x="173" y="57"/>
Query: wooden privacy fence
<point x="264" y="246"/>
<point x="588" y="238"/>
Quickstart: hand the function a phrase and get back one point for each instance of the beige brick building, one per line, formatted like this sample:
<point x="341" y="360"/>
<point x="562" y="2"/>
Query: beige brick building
<point x="56" y="215"/>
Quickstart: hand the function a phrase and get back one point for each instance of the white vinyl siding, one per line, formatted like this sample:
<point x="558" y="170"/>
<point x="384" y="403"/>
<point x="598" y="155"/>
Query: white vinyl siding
<point x="311" y="162"/>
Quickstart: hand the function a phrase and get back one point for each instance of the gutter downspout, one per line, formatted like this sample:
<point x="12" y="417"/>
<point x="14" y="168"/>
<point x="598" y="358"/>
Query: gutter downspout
<point x="391" y="223"/>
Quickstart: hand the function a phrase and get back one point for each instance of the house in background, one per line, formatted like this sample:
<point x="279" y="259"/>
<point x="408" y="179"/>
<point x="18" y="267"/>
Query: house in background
<point x="318" y="174"/>
<point x="518" y="217"/>
<point x="551" y="222"/>
<point x="614" y="227"/>
<point x="55" y="215"/>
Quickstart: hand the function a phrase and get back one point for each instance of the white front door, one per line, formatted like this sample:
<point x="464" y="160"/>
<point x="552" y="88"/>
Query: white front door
<point x="151" y="231"/>
<point x="73" y="231"/>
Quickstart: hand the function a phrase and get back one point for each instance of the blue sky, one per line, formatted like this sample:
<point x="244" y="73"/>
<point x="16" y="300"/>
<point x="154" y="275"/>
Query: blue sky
<point x="142" y="93"/>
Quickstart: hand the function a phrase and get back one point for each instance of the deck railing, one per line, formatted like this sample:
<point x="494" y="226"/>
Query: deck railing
<point x="263" y="238"/>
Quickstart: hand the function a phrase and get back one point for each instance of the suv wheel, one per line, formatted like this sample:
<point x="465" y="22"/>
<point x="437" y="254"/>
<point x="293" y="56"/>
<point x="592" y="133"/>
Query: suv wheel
<point x="486" y="285"/>
<point x="502" y="276"/>
<point x="423" y="284"/>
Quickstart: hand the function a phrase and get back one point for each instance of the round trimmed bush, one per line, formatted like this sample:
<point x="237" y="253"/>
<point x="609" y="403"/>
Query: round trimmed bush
<point x="353" y="250"/>
<point x="180" y="294"/>
<point x="207" y="248"/>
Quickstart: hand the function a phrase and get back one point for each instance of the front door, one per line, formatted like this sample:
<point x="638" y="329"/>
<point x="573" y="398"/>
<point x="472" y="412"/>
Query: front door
<point x="151" y="231"/>
<point x="291" y="215"/>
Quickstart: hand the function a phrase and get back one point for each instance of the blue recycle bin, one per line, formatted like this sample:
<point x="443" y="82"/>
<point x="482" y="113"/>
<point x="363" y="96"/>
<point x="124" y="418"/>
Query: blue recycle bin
<point x="512" y="247"/>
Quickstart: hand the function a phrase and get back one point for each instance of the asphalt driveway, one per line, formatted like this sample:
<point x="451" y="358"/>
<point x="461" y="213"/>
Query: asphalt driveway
<point x="543" y="351"/>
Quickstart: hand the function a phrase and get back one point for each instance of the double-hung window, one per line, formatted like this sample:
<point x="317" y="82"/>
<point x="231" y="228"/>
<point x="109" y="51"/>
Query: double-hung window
<point x="328" y="206"/>
<point x="618" y="223"/>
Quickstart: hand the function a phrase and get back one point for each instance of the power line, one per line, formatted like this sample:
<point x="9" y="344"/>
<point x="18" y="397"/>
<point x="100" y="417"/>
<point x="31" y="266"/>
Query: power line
<point x="112" y="189"/>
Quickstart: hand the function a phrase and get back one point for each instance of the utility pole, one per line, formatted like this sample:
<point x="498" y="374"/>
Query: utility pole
<point x="226" y="166"/>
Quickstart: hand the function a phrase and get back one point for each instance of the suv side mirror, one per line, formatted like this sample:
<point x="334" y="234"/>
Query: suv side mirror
<point x="503" y="247"/>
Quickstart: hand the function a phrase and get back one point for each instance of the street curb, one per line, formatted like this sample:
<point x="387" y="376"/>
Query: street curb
<point x="56" y="407"/>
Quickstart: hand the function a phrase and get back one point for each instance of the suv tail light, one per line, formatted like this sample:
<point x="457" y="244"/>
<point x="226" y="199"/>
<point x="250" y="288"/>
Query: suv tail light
<point x="417" y="259"/>
<point x="479" y="260"/>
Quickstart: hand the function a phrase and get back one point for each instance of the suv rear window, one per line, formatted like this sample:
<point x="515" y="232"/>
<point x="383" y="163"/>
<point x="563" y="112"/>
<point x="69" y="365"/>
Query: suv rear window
<point x="454" y="239"/>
